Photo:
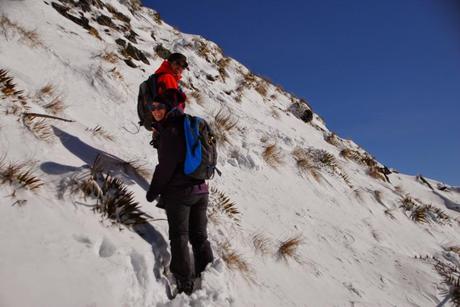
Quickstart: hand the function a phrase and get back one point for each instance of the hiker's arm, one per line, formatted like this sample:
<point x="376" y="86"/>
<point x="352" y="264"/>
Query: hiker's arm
<point x="167" y="163"/>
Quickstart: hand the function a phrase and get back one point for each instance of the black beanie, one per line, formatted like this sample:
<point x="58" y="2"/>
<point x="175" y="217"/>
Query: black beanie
<point x="179" y="58"/>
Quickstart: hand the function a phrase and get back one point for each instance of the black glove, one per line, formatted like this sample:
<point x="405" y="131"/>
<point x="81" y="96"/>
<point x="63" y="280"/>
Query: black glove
<point x="151" y="196"/>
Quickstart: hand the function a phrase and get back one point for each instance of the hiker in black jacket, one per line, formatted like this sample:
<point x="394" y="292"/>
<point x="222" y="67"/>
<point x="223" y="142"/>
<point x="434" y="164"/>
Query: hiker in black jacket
<point x="185" y="199"/>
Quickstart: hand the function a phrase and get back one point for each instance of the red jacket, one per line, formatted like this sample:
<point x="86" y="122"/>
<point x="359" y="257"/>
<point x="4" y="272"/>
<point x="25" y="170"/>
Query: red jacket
<point x="168" y="84"/>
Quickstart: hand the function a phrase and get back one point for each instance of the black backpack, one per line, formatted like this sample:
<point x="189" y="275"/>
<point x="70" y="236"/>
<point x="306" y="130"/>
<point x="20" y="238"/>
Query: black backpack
<point x="147" y="91"/>
<point x="201" y="152"/>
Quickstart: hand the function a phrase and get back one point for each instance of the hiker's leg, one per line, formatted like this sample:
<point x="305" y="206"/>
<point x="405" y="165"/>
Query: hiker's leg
<point x="178" y="220"/>
<point x="202" y="251"/>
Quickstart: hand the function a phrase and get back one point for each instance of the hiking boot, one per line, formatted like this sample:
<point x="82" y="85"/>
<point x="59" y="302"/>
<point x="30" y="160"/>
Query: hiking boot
<point x="185" y="286"/>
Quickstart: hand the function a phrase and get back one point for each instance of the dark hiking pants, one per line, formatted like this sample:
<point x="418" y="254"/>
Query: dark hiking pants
<point x="188" y="221"/>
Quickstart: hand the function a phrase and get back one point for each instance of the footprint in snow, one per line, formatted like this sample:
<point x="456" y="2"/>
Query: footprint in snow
<point x="107" y="248"/>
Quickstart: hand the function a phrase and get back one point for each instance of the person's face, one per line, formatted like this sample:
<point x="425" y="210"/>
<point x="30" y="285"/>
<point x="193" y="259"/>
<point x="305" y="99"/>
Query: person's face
<point x="177" y="68"/>
<point x="158" y="111"/>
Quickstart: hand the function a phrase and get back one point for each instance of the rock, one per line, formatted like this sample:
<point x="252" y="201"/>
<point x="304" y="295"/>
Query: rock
<point x="82" y="21"/>
<point x="120" y="42"/>
<point x="106" y="21"/>
<point x="162" y="52"/>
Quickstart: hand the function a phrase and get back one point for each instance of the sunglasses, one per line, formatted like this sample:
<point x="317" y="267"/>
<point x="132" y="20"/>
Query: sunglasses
<point x="184" y="65"/>
<point x="158" y="106"/>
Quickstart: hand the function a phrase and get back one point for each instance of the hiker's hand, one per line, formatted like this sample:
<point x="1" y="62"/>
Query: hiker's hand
<point x="151" y="196"/>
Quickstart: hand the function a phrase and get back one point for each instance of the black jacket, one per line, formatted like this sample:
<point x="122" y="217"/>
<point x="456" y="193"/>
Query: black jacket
<point x="169" y="177"/>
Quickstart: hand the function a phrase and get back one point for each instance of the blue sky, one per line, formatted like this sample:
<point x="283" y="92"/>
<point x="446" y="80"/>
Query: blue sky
<point x="383" y="73"/>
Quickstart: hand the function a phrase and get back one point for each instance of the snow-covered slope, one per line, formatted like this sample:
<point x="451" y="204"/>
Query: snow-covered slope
<point x="348" y="241"/>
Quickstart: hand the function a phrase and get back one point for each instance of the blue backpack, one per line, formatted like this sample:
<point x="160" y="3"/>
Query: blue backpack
<point x="201" y="152"/>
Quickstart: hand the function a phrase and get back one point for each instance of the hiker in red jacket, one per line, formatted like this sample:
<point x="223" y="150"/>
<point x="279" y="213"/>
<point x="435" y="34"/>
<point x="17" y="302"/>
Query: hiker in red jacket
<point x="170" y="73"/>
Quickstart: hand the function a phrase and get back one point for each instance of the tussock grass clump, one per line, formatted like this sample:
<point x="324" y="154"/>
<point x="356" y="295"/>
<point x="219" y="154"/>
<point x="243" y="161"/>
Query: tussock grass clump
<point x="423" y="213"/>
<point x="109" y="56"/>
<point x="321" y="160"/>
<point x="118" y="204"/>
<point x="221" y="205"/>
<point x="113" y="200"/>
<point x="7" y="87"/>
<point x="272" y="155"/>
<point x="262" y="244"/>
<point x="39" y="127"/>
<point x="222" y="125"/>
<point x="332" y="139"/>
<point x="375" y="173"/>
<point x="202" y="49"/>
<point x="222" y="65"/>
<point x="450" y="274"/>
<point x="235" y="261"/>
<point x="198" y="97"/>
<point x="261" y="87"/>
<point x="98" y="131"/>
<point x="29" y="37"/>
<point x="55" y="106"/>
<point x="47" y="90"/>
<point x="156" y="17"/>
<point x="305" y="164"/>
<point x="93" y="32"/>
<point x="407" y="203"/>
<point x="288" y="248"/>
<point x="250" y="80"/>
<point x="19" y="174"/>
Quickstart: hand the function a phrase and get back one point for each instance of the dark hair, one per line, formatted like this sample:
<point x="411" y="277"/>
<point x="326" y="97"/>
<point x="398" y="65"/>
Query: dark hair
<point x="179" y="58"/>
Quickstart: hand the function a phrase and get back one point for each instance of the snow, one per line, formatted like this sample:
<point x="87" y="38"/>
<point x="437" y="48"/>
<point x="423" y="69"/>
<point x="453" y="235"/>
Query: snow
<point x="56" y="251"/>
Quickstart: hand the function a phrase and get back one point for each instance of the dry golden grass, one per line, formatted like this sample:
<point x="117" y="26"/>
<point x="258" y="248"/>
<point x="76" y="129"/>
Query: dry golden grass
<point x="116" y="74"/>
<point x="55" y="107"/>
<point x="7" y="87"/>
<point x="375" y="172"/>
<point x="273" y="156"/>
<point x="305" y="164"/>
<point x="220" y="204"/>
<point x="262" y="244"/>
<point x="109" y="56"/>
<point x="98" y="131"/>
<point x="288" y="248"/>
<point x="198" y="97"/>
<point x="19" y="174"/>
<point x="47" y="90"/>
<point x="29" y="37"/>
<point x="39" y="127"/>
<point x="423" y="213"/>
<point x="222" y="65"/>
<point x="118" y="204"/>
<point x="332" y="139"/>
<point x="93" y="32"/>
<point x="235" y="261"/>
<point x="407" y="203"/>
<point x="261" y="87"/>
<point x="222" y="125"/>
<point x="156" y="17"/>
<point x="450" y="274"/>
